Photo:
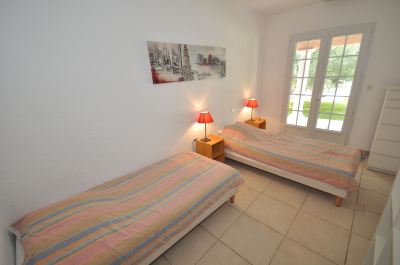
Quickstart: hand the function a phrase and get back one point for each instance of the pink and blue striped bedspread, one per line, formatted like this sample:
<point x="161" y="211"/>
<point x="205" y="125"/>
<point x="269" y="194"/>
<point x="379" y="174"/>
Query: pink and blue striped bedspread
<point x="330" y="163"/>
<point x="125" y="220"/>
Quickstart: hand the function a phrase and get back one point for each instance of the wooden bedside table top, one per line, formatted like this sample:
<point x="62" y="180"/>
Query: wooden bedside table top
<point x="214" y="139"/>
<point x="256" y="121"/>
<point x="259" y="123"/>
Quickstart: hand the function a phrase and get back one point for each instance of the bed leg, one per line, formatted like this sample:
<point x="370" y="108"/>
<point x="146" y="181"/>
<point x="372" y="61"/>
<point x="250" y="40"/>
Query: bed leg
<point x="232" y="199"/>
<point x="338" y="201"/>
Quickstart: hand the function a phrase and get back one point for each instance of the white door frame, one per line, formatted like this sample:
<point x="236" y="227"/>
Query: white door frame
<point x="368" y="30"/>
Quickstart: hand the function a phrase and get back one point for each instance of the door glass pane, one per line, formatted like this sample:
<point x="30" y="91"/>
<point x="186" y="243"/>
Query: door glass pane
<point x="329" y="86"/>
<point x="326" y="104"/>
<point x="302" y="83"/>
<point x="334" y="66"/>
<point x="323" y="121"/>
<point x="301" y="50"/>
<point x="295" y="69"/>
<point x="344" y="86"/>
<point x="302" y="120"/>
<point x="338" y="81"/>
<point x="305" y="103"/>
<point x="296" y="86"/>
<point x="353" y="44"/>
<point x="298" y="68"/>
<point x="348" y="66"/>
<point x="340" y="105"/>
<point x="294" y="102"/>
<point x="291" y="117"/>
<point x="313" y="49"/>
<point x="308" y="85"/>
<point x="336" y="122"/>
<point x="337" y="46"/>
<point x="311" y="67"/>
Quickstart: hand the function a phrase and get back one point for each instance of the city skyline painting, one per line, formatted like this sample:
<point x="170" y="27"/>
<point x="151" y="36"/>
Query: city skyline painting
<point x="171" y="62"/>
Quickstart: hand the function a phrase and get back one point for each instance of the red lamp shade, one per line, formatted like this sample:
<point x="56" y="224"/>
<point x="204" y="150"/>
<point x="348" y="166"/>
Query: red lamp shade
<point x="205" y="117"/>
<point x="252" y="103"/>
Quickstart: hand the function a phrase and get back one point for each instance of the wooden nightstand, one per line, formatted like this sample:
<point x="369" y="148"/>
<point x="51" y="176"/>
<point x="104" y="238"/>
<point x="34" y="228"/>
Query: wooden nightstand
<point x="259" y="123"/>
<point x="213" y="149"/>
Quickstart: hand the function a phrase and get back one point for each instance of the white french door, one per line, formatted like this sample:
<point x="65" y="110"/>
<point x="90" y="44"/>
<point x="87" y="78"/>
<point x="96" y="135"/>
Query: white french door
<point x="326" y="70"/>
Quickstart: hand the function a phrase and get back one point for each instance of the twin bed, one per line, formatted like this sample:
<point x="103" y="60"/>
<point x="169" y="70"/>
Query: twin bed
<point x="129" y="220"/>
<point x="321" y="165"/>
<point x="135" y="218"/>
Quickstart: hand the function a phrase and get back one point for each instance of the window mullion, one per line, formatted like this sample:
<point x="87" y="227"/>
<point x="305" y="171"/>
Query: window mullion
<point x="337" y="82"/>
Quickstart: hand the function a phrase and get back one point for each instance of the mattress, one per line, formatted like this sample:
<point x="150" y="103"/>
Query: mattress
<point x="330" y="163"/>
<point x="126" y="220"/>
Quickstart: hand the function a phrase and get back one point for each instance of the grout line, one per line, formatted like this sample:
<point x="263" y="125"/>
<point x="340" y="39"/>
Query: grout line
<point x="277" y="199"/>
<point x="166" y="259"/>
<point x="287" y="231"/>
<point x="301" y="244"/>
<point x="327" y="221"/>
<point x="242" y="212"/>
<point x="366" y="238"/>
<point x="208" y="250"/>
<point x="227" y="229"/>
<point x="311" y="250"/>
<point x="223" y="243"/>
<point x="350" y="236"/>
<point x="354" y="215"/>
<point x="285" y="235"/>
<point x="258" y="221"/>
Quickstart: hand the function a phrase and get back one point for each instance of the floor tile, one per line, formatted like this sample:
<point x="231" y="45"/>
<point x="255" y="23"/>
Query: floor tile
<point x="359" y="172"/>
<point x="365" y="223"/>
<point x="358" y="249"/>
<point x="160" y="261"/>
<point x="273" y="213"/>
<point x="237" y="165"/>
<point x="287" y="191"/>
<point x="252" y="240"/>
<point x="373" y="202"/>
<point x="256" y="180"/>
<point x="220" y="254"/>
<point x="244" y="197"/>
<point x="191" y="248"/>
<point x="320" y="236"/>
<point x="377" y="182"/>
<point x="290" y="253"/>
<point x="322" y="206"/>
<point x="352" y="197"/>
<point x="220" y="220"/>
<point x="375" y="172"/>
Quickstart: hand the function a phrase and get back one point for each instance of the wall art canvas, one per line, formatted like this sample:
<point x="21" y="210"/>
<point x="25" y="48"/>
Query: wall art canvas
<point x="172" y="62"/>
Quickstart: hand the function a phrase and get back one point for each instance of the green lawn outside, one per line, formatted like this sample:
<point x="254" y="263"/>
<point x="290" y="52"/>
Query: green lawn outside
<point x="325" y="109"/>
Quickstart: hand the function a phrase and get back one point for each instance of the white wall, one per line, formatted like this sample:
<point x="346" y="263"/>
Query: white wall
<point x="384" y="61"/>
<point x="77" y="103"/>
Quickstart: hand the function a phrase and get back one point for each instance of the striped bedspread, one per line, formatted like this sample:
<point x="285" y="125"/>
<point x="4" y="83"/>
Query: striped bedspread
<point x="331" y="163"/>
<point x="125" y="220"/>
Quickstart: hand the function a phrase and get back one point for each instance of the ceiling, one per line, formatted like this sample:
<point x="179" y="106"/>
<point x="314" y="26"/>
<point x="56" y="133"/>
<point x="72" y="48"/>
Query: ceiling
<point x="269" y="7"/>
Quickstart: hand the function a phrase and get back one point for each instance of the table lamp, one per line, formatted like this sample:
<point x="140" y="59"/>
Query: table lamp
<point x="205" y="117"/>
<point x="252" y="103"/>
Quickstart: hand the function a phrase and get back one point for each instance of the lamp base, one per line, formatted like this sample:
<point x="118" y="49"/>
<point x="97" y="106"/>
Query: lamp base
<point x="205" y="139"/>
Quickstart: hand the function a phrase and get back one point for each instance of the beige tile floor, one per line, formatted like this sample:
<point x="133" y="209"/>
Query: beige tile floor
<point x="278" y="222"/>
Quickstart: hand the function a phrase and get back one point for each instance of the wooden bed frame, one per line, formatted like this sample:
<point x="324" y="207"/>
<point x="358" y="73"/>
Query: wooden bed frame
<point x="340" y="194"/>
